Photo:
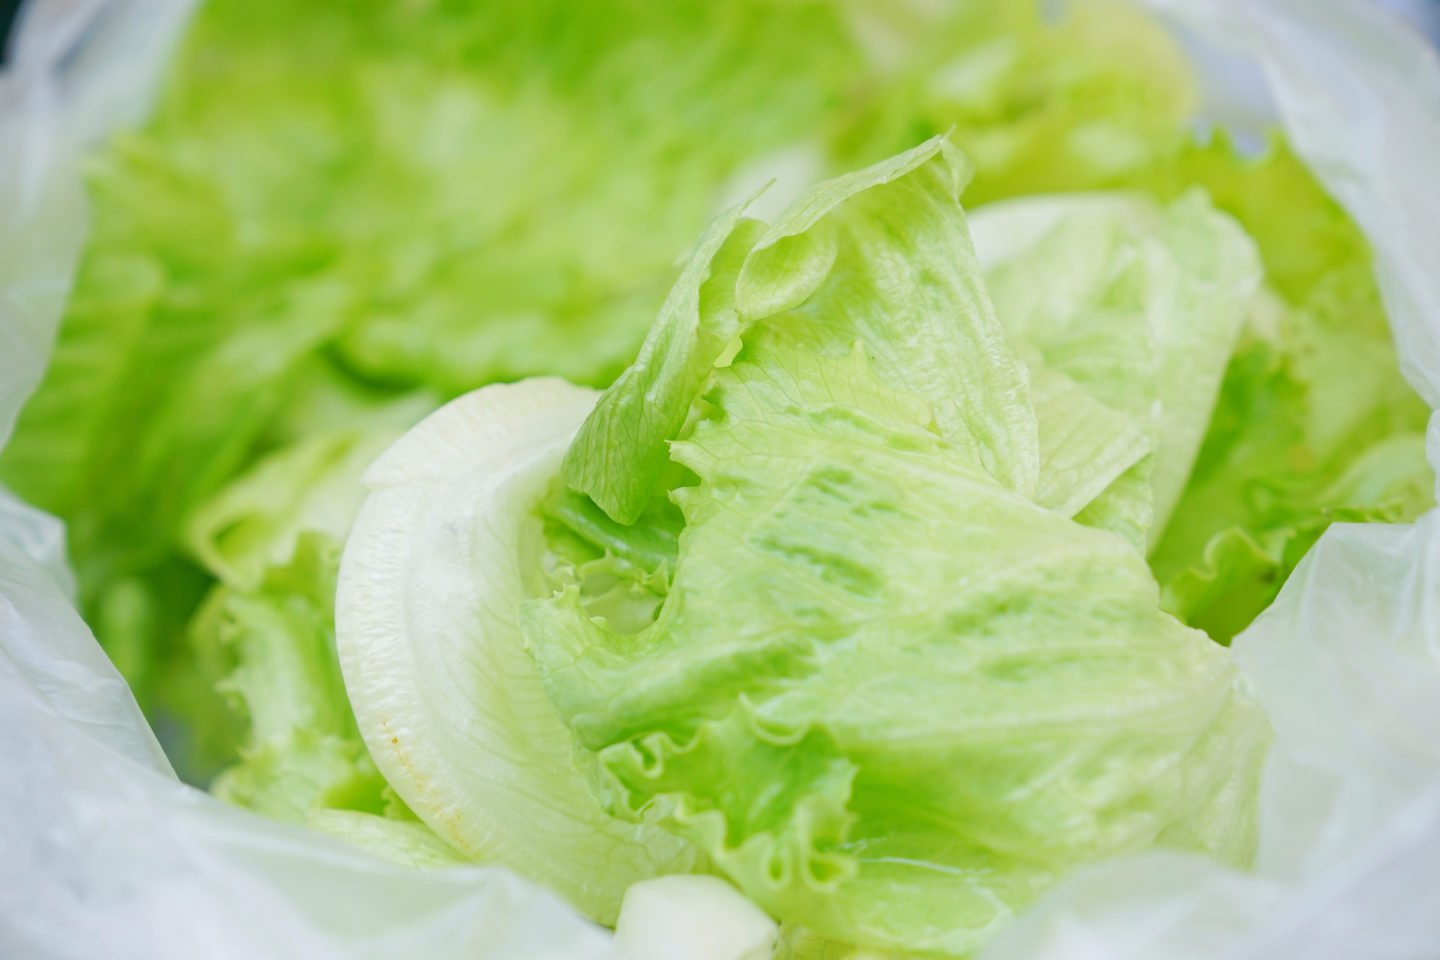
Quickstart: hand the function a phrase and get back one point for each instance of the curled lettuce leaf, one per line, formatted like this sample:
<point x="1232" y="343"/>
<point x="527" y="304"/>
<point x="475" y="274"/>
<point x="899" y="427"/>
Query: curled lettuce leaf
<point x="256" y="522"/>
<point x="1313" y="423"/>
<point x="272" y="709"/>
<point x="1277" y="415"/>
<point x="273" y="726"/>
<point x="444" y="694"/>
<point x="890" y="694"/>
<point x="1138" y="306"/>
<point x="275" y="642"/>
<point x="341" y="203"/>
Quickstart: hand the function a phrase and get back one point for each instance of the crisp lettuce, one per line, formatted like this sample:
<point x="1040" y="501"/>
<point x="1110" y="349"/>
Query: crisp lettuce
<point x="448" y="702"/>
<point x="1313" y="424"/>
<point x="335" y="204"/>
<point x="269" y="717"/>
<point x="302" y="752"/>
<point x="341" y="216"/>
<point x="272" y="711"/>
<point x="310" y="486"/>
<point x="890" y="694"/>
<point x="1305" y="420"/>
<point x="1138" y="307"/>
<point x="301" y="758"/>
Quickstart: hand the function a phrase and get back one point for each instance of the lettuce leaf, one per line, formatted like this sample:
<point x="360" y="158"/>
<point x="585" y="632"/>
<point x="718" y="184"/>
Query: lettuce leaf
<point x="302" y="751"/>
<point x="1139" y="307"/>
<point x="1280" y="415"/>
<point x="1040" y="99"/>
<point x="271" y="708"/>
<point x="890" y="694"/>
<point x="255" y="523"/>
<point x="375" y="199"/>
<point x="446" y="697"/>
<point x="1313" y="424"/>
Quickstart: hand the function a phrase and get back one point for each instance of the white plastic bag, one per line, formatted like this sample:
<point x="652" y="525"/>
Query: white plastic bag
<point x="103" y="851"/>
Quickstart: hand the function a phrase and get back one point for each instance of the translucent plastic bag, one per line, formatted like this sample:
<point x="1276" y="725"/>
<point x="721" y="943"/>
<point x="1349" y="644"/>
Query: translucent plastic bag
<point x="102" y="850"/>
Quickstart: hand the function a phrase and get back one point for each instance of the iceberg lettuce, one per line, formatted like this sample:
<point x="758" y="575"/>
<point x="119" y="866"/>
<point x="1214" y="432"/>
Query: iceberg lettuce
<point x="450" y="706"/>
<point x="869" y="513"/>
<point x="338" y="203"/>
<point x="263" y="681"/>
<point x="897" y="685"/>
<point x="1313" y="425"/>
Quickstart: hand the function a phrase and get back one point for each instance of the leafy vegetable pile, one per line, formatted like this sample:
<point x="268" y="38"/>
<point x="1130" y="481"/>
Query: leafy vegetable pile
<point x="909" y="663"/>
<point x="340" y="216"/>
<point x="870" y="583"/>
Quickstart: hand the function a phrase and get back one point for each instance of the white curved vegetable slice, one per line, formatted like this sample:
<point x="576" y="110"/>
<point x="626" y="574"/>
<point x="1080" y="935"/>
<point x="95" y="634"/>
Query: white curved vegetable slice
<point x="445" y="695"/>
<point x="692" y="916"/>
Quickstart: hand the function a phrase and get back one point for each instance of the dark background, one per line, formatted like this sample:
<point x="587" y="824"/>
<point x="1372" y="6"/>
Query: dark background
<point x="8" y="10"/>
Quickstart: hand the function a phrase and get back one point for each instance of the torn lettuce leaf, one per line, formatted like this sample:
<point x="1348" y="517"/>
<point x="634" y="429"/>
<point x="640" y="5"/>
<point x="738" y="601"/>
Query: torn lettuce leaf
<point x="279" y="722"/>
<point x="446" y="697"/>
<point x="1310" y="422"/>
<point x="886" y="691"/>
<point x="301" y="752"/>
<point x="781" y="272"/>
<point x="378" y="197"/>
<point x="1313" y="423"/>
<point x="1040" y="99"/>
<point x="1138" y="306"/>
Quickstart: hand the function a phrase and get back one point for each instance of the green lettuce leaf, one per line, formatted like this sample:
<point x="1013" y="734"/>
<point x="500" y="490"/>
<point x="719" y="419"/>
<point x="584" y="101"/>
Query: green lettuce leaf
<point x="1138" y="306"/>
<point x="374" y="198"/>
<point x="1278" y="415"/>
<point x="1313" y="423"/>
<point x="505" y="187"/>
<point x="255" y="522"/>
<point x="142" y="418"/>
<point x="1040" y="99"/>
<point x="782" y="274"/>
<point x="890" y="694"/>
<point x="264" y="648"/>
<point x="302" y="751"/>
